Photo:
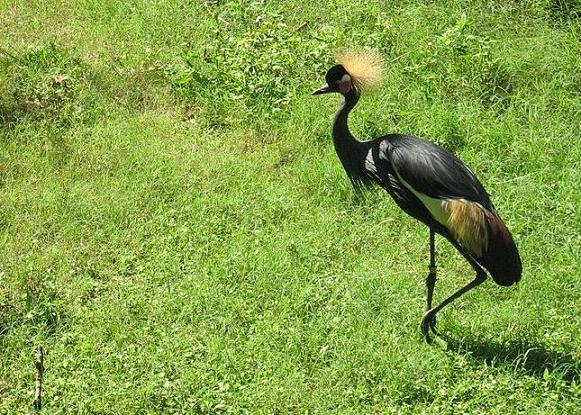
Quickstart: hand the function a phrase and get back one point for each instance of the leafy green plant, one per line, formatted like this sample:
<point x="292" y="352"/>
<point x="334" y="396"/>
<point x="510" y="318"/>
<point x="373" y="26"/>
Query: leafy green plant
<point x="565" y="10"/>
<point x="252" y="57"/>
<point x="45" y="84"/>
<point x="459" y="62"/>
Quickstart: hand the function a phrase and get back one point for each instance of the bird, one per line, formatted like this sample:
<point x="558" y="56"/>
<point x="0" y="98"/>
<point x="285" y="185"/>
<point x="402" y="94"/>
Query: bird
<point x="427" y="182"/>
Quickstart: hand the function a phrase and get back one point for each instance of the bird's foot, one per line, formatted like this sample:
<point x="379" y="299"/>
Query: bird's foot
<point x="428" y="323"/>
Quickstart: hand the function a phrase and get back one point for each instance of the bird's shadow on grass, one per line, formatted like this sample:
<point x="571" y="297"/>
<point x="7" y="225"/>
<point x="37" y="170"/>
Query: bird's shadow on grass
<point x="533" y="359"/>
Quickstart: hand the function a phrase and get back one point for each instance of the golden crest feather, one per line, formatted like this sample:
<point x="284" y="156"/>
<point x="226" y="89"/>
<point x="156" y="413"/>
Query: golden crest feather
<point x="364" y="67"/>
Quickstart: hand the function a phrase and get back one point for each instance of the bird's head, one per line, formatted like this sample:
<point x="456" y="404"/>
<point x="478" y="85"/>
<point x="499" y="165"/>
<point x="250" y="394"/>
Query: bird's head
<point x="357" y="71"/>
<point x="338" y="80"/>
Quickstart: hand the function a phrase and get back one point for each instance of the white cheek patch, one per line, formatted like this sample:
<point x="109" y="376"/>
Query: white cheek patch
<point x="345" y="78"/>
<point x="345" y="84"/>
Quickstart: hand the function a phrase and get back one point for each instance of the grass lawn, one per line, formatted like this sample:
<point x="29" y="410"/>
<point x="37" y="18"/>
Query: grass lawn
<point x="177" y="231"/>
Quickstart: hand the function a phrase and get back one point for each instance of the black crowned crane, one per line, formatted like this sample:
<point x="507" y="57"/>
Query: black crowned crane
<point x="427" y="182"/>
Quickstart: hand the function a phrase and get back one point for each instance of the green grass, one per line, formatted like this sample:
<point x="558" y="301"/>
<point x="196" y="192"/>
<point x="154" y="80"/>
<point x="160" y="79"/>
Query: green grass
<point x="176" y="229"/>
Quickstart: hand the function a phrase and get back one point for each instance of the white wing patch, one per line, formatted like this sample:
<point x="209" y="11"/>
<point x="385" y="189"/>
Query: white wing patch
<point x="370" y="163"/>
<point x="464" y="219"/>
<point x="383" y="151"/>
<point x="436" y="207"/>
<point x="370" y="166"/>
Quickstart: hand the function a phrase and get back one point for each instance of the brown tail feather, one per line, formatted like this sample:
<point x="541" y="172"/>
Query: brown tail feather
<point x="501" y="257"/>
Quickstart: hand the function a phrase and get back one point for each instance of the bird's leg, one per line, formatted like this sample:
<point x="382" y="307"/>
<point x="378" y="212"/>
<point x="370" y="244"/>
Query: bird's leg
<point x="431" y="314"/>
<point x="431" y="279"/>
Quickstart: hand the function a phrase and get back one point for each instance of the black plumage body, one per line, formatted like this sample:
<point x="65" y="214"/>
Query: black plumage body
<point x="406" y="167"/>
<point x="432" y="185"/>
<point x="432" y="171"/>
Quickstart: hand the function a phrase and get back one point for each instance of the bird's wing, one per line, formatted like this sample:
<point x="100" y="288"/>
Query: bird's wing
<point x="431" y="170"/>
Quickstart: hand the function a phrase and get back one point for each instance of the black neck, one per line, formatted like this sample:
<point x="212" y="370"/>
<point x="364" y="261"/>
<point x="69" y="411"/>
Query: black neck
<point x="351" y="152"/>
<point x="341" y="133"/>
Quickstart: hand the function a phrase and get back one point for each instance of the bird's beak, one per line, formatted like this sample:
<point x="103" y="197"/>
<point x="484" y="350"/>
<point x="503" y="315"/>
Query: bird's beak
<point x="322" y="90"/>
